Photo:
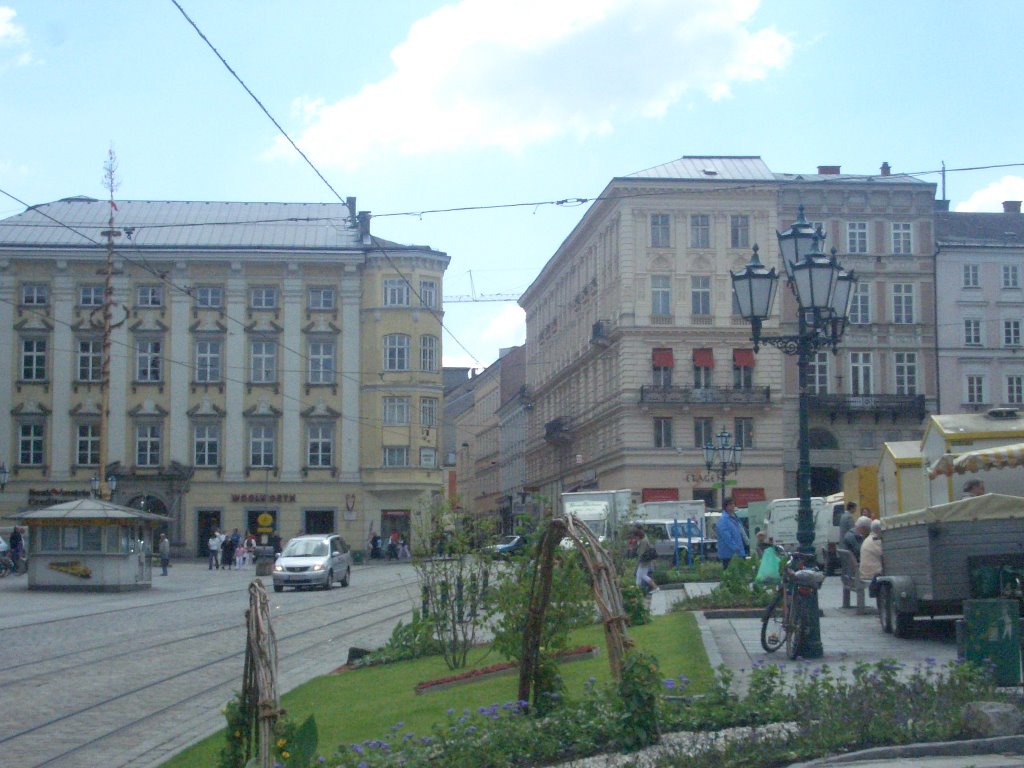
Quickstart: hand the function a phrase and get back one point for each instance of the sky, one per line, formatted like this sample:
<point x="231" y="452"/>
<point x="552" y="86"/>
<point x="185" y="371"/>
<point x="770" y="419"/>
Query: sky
<point x="417" y="105"/>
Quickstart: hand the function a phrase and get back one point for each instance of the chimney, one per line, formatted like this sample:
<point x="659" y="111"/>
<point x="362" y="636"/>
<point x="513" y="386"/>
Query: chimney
<point x="942" y="206"/>
<point x="350" y="202"/>
<point x="1011" y="206"/>
<point x="364" y="227"/>
<point x="886" y="169"/>
<point x="828" y="170"/>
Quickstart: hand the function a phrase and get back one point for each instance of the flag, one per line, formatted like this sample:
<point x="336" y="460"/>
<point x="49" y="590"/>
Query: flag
<point x="114" y="205"/>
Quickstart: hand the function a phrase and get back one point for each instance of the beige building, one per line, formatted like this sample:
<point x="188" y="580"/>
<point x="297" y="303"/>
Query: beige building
<point x="272" y="366"/>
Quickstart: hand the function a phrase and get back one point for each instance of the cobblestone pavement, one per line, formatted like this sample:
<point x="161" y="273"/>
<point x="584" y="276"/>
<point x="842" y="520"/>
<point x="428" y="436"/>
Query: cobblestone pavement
<point x="129" y="679"/>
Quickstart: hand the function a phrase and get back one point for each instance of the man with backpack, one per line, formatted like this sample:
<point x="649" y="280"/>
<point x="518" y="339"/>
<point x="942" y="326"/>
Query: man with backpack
<point x="646" y="555"/>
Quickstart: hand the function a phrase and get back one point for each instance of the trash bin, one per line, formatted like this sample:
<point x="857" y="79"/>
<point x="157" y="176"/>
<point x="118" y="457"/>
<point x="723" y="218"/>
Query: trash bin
<point x="264" y="561"/>
<point x="990" y="633"/>
<point x="357" y="556"/>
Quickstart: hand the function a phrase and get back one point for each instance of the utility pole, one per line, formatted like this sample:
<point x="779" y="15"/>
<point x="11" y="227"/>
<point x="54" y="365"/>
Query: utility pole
<point x="111" y="183"/>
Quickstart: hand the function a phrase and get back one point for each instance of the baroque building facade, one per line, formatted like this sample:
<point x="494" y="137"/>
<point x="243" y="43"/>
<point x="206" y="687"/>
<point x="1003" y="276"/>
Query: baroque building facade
<point x="273" y="367"/>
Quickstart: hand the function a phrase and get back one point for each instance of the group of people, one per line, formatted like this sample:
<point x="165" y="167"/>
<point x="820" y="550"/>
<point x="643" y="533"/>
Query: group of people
<point x="397" y="547"/>
<point x="235" y="549"/>
<point x="863" y="537"/>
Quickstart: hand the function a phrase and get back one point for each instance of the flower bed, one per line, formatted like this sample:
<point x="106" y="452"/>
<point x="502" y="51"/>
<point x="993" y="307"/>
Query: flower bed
<point x="504" y="668"/>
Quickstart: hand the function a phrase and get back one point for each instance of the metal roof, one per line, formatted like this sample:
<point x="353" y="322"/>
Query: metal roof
<point x="89" y="509"/>
<point x="743" y="168"/>
<point x="991" y="229"/>
<point x="79" y="221"/>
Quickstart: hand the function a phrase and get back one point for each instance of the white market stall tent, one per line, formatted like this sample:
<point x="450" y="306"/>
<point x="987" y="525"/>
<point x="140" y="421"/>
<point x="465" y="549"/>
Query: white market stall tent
<point x="982" y="460"/>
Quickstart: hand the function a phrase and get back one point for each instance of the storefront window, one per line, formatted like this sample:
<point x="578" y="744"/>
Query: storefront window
<point x="49" y="538"/>
<point x="92" y="538"/>
<point x="72" y="538"/>
<point x="113" y="539"/>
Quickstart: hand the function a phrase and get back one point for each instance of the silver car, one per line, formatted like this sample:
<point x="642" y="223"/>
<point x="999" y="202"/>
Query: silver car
<point x="317" y="560"/>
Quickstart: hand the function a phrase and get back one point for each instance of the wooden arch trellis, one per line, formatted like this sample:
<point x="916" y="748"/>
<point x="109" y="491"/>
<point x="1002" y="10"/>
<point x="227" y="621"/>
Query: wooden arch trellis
<point x="607" y="595"/>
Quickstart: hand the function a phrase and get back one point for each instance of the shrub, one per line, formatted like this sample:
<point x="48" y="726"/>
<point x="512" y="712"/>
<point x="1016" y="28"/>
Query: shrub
<point x="736" y="590"/>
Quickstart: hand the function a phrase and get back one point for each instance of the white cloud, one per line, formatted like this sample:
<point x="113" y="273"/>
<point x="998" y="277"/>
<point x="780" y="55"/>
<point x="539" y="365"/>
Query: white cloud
<point x="991" y="198"/>
<point x="507" y="74"/>
<point x="508" y="328"/>
<point x="13" y="35"/>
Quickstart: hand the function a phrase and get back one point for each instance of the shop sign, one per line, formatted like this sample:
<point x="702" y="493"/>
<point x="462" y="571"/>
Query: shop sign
<point x="701" y="477"/>
<point x="48" y="496"/>
<point x="263" y="498"/>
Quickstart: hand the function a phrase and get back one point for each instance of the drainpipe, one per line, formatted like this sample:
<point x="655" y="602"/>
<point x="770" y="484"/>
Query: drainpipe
<point x="935" y="316"/>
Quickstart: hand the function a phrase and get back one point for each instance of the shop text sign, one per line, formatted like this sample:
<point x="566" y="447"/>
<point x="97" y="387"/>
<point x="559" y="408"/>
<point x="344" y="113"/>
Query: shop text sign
<point x="263" y="498"/>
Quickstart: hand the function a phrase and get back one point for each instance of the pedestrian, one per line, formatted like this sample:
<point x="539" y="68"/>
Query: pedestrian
<point x="213" y="549"/>
<point x="250" y="549"/>
<point x="871" y="553"/>
<point x="974" y="487"/>
<point x="854" y="538"/>
<point x="227" y="553"/>
<point x="646" y="555"/>
<point x="17" y="548"/>
<point x="275" y="543"/>
<point x="403" y="550"/>
<point x="164" y="549"/>
<point x="393" y="546"/>
<point x="730" y="535"/>
<point x="239" y="544"/>
<point x="846" y="519"/>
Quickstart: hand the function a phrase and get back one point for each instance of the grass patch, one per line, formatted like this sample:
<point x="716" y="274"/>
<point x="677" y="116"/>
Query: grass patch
<point x="349" y="706"/>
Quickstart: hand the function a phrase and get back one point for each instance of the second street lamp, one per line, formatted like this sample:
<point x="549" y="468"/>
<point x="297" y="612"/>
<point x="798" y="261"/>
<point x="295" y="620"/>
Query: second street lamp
<point x="822" y="290"/>
<point x="723" y="457"/>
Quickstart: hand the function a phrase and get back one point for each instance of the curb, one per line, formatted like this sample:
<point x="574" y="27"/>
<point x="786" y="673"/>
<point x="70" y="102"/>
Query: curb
<point x="1002" y="745"/>
<point x="708" y="640"/>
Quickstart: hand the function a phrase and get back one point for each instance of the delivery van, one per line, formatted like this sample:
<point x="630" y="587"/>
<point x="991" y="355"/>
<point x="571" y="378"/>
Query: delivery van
<point x="780" y="522"/>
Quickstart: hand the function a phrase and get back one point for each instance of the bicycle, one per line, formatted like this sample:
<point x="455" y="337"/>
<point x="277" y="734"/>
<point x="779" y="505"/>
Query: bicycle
<point x="785" y="619"/>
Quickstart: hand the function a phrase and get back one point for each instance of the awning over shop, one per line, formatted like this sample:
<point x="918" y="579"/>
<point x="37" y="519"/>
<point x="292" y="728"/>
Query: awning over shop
<point x="704" y="357"/>
<point x="979" y="461"/>
<point x="743" y="496"/>
<point x="743" y="358"/>
<point x="661" y="357"/>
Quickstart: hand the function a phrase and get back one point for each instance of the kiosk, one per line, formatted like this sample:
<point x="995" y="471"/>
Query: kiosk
<point x="90" y="545"/>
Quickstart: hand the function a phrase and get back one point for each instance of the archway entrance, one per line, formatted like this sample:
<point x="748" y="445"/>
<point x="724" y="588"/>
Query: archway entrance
<point x="156" y="506"/>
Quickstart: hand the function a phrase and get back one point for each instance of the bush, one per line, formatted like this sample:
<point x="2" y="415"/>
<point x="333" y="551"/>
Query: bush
<point x="707" y="570"/>
<point x="736" y="590"/>
<point x="408" y="641"/>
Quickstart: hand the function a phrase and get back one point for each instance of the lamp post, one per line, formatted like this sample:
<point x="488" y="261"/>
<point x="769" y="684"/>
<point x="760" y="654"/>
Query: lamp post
<point x="822" y="290"/>
<point x="723" y="457"/>
<point x="5" y="475"/>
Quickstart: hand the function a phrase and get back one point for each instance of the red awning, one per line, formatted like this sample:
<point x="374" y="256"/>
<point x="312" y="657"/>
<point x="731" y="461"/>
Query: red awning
<point x="704" y="357"/>
<point x="743" y="496"/>
<point x="743" y="358"/>
<point x="659" y="494"/>
<point x="662" y="358"/>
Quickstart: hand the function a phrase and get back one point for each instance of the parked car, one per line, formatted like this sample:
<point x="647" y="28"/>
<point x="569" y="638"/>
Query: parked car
<point x="664" y="534"/>
<point x="507" y="545"/>
<point x="316" y="560"/>
<point x="4" y="546"/>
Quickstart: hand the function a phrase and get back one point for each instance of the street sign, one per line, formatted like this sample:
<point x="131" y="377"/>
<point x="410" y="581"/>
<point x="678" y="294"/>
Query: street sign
<point x="719" y="485"/>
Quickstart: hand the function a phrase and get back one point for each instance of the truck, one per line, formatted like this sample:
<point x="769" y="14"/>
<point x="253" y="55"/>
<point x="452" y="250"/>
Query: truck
<point x="935" y="558"/>
<point x="668" y="523"/>
<point x="601" y="511"/>
<point x="780" y="522"/>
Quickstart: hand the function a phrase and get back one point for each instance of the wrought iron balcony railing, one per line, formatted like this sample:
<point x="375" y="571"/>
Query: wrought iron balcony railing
<point x="556" y="431"/>
<point x="650" y="394"/>
<point x="878" y="406"/>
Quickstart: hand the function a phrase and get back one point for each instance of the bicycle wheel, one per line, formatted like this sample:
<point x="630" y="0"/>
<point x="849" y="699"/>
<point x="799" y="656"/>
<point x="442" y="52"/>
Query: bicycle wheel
<point x="4" y="568"/>
<point x="796" y="628"/>
<point x="773" y="625"/>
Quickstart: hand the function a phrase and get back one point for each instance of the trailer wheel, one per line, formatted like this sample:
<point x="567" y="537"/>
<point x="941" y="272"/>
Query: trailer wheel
<point x="884" y="602"/>
<point x="900" y="623"/>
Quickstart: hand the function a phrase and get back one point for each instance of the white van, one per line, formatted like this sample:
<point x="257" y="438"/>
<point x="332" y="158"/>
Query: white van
<point x="780" y="522"/>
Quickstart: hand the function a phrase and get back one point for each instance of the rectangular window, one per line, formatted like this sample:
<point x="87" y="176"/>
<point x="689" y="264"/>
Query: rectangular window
<point x="975" y="389"/>
<point x="209" y="297"/>
<point x="33" y="360"/>
<point x="742" y="376"/>
<point x="662" y="432"/>
<point x="428" y="293"/>
<point x="703" y="432"/>
<point x="263" y="297"/>
<point x="700" y="295"/>
<point x="660" y="232"/>
<point x="90" y="360"/>
<point x="428" y="458"/>
<point x="1011" y="333"/>
<point x="903" y="303"/>
<point x="972" y="276"/>
<point x="817" y="373"/>
<point x="662" y="376"/>
<point x="396" y="292"/>
<point x="428" y="411"/>
<point x="148" y="361"/>
<point x="700" y="231"/>
<point x="87" y="445"/>
<point x="320" y="298"/>
<point x="661" y="295"/>
<point x="263" y="362"/>
<point x="906" y="373"/>
<point x="261" y="446"/>
<point x="428" y="353"/>
<point x="396" y="455"/>
<point x="743" y="429"/>
<point x="35" y="295"/>
<point x="857" y="237"/>
<point x="902" y="242"/>
<point x="321" y="362"/>
<point x="320" y="445"/>
<point x="207" y="445"/>
<point x="396" y="352"/>
<point x="1011" y="276"/>
<point x="860" y="304"/>
<point x="1015" y="390"/>
<point x="972" y="332"/>
<point x="703" y="376"/>
<point x="208" y="357"/>
<point x="90" y="295"/>
<point x="30" y="444"/>
<point x="396" y="411"/>
<point x="149" y="296"/>
<point x="860" y="373"/>
<point x="147" y="445"/>
<point x="739" y="231"/>
<point x="866" y="439"/>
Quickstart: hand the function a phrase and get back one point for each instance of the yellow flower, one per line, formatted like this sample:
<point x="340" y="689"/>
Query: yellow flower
<point x="238" y="734"/>
<point x="281" y="743"/>
<point x="285" y="755"/>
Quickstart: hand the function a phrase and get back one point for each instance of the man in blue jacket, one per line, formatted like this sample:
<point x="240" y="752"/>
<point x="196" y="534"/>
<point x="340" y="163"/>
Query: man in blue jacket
<point x="730" y="536"/>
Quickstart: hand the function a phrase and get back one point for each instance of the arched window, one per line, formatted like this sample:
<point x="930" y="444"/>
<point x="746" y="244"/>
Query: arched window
<point x="822" y="439"/>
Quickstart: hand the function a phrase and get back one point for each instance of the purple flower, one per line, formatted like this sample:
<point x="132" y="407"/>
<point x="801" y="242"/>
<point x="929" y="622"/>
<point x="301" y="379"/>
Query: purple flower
<point x="357" y="749"/>
<point x="670" y="684"/>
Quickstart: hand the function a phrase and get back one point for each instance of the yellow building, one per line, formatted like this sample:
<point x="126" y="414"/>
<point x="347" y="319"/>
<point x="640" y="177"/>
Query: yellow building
<point x="269" y="362"/>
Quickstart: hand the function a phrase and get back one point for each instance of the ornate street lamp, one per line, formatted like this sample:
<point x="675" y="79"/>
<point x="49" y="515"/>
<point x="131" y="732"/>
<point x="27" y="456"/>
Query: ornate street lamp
<point x="723" y="457"/>
<point x="823" y="291"/>
<point x="95" y="483"/>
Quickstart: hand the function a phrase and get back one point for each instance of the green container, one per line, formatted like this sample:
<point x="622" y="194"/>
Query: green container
<point x="992" y="634"/>
<point x="357" y="556"/>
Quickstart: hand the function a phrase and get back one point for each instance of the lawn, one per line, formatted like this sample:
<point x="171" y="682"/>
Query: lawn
<point x="362" y="704"/>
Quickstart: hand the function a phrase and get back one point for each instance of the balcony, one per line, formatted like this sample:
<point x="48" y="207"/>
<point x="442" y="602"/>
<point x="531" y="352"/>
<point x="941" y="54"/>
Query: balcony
<point x="601" y="332"/>
<point x="652" y="395"/>
<point x="878" y="406"/>
<point x="557" y="432"/>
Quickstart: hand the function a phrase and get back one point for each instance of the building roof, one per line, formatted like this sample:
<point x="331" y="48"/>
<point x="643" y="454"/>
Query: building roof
<point x="903" y="450"/>
<point x="988" y="229"/>
<point x="738" y="168"/>
<point x="90" y="509"/>
<point x="976" y="426"/>
<point x="77" y="222"/>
